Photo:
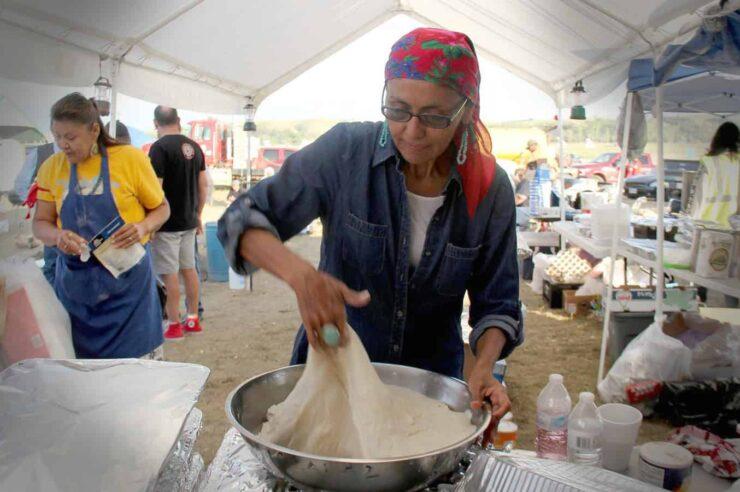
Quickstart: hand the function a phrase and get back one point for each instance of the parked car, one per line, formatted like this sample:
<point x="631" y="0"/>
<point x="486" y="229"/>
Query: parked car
<point x="269" y="160"/>
<point x="605" y="167"/>
<point x="647" y="184"/>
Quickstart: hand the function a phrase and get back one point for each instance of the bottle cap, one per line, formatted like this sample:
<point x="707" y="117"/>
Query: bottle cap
<point x="556" y="378"/>
<point x="586" y="396"/>
<point x="507" y="426"/>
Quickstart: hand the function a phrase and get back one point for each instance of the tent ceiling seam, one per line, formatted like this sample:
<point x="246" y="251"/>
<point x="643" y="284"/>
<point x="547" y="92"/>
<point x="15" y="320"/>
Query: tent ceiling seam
<point x="36" y="15"/>
<point x="220" y="89"/>
<point x="537" y="10"/>
<point x="125" y="61"/>
<point x="164" y="23"/>
<point x="524" y="75"/>
<point x="154" y="54"/>
<point x="270" y="87"/>
<point x="114" y="47"/>
<point x="478" y="22"/>
<point x="578" y="75"/>
<point x="494" y="19"/>
<point x="590" y="4"/>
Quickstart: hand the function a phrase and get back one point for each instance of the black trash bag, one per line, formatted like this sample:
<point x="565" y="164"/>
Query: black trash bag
<point x="710" y="405"/>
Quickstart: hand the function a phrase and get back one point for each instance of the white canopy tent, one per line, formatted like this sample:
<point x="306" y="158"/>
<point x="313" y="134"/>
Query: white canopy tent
<point x="209" y="55"/>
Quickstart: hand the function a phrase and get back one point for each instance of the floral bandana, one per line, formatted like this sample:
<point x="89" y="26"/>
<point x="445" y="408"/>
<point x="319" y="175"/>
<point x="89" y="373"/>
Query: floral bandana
<point x="448" y="58"/>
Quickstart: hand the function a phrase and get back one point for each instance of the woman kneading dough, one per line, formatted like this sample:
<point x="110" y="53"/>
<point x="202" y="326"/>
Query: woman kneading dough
<point x="415" y="212"/>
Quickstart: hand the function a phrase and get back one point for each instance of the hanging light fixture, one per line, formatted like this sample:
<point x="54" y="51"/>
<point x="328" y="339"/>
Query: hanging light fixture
<point x="102" y="95"/>
<point x="578" y="96"/>
<point x="249" y="111"/>
<point x="102" y="91"/>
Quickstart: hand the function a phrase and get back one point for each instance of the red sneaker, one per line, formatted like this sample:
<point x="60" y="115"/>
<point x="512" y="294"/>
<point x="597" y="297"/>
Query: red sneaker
<point x="174" y="332"/>
<point x="192" y="325"/>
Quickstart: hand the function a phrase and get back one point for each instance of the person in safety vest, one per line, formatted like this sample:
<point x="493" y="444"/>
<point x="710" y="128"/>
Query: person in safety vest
<point x="718" y="180"/>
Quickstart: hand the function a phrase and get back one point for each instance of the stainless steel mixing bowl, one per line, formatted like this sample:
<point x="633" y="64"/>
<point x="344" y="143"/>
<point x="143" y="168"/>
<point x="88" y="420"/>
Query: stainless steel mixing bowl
<point x="247" y="406"/>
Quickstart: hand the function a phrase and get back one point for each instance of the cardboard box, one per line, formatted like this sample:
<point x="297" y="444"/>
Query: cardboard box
<point x="553" y="292"/>
<point x="578" y="306"/>
<point x="642" y="300"/>
<point x="713" y="253"/>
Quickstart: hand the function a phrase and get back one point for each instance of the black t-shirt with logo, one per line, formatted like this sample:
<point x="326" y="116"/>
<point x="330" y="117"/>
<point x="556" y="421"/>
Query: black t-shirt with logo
<point x="178" y="161"/>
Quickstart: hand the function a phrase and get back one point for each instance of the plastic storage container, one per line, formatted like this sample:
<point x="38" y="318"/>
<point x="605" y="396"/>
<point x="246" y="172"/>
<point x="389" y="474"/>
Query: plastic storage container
<point x="218" y="267"/>
<point x="553" y="409"/>
<point x="623" y="328"/>
<point x="605" y="217"/>
<point x="584" y="432"/>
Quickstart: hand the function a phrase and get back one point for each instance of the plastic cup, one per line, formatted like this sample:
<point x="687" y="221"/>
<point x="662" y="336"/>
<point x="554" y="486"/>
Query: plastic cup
<point x="619" y="434"/>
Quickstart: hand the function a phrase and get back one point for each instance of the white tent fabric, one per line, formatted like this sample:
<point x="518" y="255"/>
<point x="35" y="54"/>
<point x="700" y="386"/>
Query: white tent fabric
<point x="208" y="55"/>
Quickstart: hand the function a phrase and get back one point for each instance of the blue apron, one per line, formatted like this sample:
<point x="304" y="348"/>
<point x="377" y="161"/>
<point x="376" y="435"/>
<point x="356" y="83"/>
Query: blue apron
<point x="111" y="317"/>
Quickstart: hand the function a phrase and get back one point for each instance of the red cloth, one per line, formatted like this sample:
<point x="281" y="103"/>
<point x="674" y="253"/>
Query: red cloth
<point x="32" y="197"/>
<point x="717" y="456"/>
<point x="448" y="58"/>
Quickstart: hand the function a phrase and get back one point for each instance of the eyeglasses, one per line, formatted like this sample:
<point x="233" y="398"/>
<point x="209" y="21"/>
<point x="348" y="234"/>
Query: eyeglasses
<point x="436" y="121"/>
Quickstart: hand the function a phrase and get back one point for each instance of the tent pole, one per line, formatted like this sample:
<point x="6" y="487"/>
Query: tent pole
<point x="113" y="98"/>
<point x="626" y="125"/>
<point x="561" y="172"/>
<point x="660" y="205"/>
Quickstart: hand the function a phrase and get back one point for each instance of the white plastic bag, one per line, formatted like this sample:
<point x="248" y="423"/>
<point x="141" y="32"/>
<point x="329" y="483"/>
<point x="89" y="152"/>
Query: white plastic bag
<point x="715" y="347"/>
<point x="592" y="286"/>
<point x="541" y="261"/>
<point x="652" y="355"/>
<point x="36" y="323"/>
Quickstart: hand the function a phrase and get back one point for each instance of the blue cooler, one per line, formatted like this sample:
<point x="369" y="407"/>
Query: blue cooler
<point x="218" y="266"/>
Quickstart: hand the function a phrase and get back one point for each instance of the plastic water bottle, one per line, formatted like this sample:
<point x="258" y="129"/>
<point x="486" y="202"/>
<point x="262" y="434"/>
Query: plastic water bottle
<point x="553" y="408"/>
<point x="535" y="193"/>
<point x="584" y="432"/>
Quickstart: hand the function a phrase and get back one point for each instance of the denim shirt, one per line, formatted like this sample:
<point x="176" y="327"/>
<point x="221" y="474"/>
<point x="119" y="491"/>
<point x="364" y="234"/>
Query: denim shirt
<point x="357" y="188"/>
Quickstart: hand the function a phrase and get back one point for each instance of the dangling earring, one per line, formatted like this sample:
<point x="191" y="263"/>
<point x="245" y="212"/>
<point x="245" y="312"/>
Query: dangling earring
<point x="383" y="134"/>
<point x="462" y="151"/>
<point x="94" y="149"/>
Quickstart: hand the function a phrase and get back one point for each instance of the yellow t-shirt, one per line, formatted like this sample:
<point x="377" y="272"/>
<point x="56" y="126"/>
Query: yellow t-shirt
<point x="133" y="181"/>
<point x="528" y="156"/>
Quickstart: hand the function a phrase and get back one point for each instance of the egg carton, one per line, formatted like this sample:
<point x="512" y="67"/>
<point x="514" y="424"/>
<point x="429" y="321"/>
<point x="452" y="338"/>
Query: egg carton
<point x="568" y="267"/>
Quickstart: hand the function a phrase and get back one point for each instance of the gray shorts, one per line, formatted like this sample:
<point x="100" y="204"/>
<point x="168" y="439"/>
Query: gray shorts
<point x="173" y="251"/>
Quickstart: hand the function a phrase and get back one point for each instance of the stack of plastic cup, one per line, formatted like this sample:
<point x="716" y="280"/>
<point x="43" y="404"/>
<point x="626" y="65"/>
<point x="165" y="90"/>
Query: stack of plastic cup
<point x="619" y="434"/>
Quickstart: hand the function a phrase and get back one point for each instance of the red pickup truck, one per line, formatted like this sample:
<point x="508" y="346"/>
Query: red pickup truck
<point x="605" y="167"/>
<point x="269" y="160"/>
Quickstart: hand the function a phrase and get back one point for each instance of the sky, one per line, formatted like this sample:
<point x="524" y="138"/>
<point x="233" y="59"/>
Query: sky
<point x="345" y="86"/>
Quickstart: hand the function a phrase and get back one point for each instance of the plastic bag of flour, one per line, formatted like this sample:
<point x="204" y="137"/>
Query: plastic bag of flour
<point x="35" y="324"/>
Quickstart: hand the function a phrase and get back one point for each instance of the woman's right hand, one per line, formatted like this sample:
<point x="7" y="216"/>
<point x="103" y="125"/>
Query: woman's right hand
<point x="70" y="243"/>
<point x="321" y="300"/>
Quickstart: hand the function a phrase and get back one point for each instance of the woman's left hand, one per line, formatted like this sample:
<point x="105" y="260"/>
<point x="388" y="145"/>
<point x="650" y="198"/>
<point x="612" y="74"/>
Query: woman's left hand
<point x="484" y="387"/>
<point x="129" y="234"/>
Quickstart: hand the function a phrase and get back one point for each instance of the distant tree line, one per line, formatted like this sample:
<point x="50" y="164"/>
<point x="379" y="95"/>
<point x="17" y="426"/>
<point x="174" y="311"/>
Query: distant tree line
<point x="694" y="128"/>
<point x="676" y="129"/>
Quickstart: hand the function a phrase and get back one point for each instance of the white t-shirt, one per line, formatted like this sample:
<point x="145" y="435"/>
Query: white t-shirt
<point x="421" y="211"/>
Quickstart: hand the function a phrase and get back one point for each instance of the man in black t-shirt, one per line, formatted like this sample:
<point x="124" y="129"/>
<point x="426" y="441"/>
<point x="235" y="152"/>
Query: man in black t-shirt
<point x="180" y="167"/>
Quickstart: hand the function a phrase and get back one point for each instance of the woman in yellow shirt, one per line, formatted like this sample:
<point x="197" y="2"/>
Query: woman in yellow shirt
<point x="92" y="182"/>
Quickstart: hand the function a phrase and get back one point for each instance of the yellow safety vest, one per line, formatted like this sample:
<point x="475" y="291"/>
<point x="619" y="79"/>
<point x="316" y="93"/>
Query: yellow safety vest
<point x="719" y="188"/>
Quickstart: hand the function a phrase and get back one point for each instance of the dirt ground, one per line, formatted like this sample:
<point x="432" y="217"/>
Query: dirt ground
<point x="248" y="333"/>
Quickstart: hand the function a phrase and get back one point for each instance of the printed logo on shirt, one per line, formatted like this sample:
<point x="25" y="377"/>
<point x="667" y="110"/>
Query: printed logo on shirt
<point x="188" y="151"/>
